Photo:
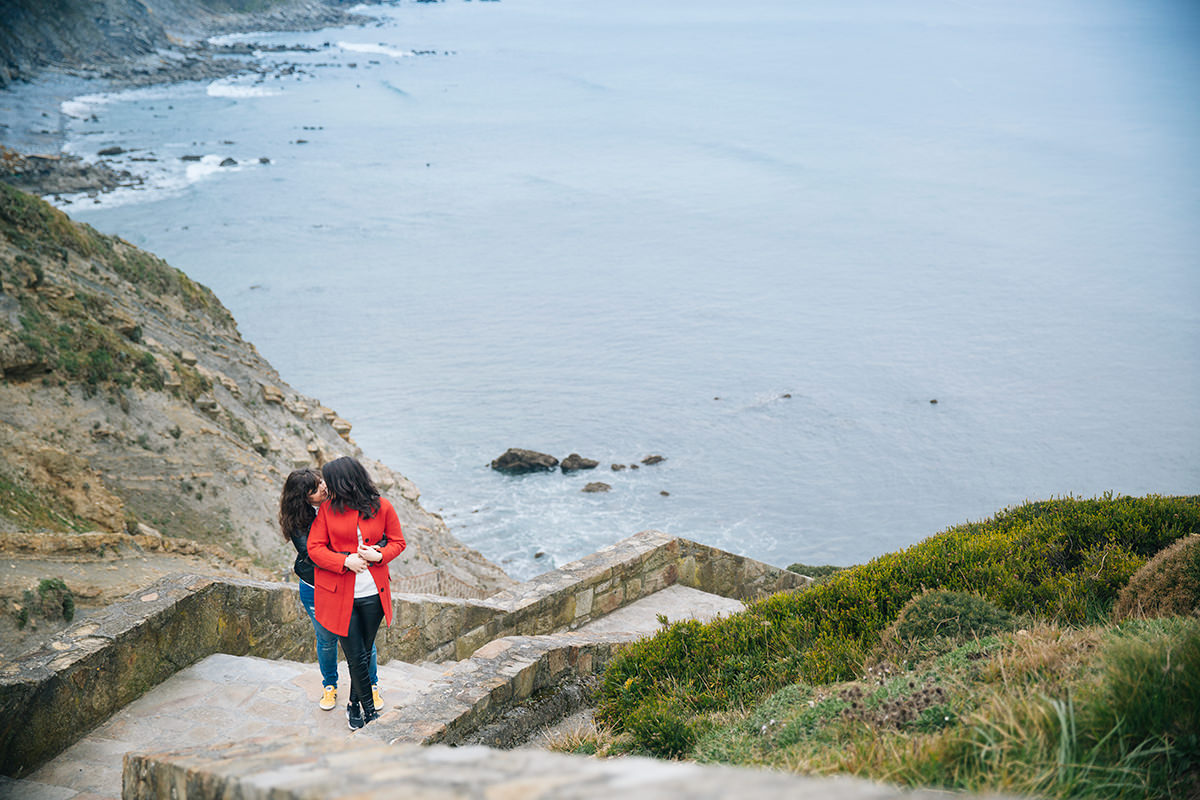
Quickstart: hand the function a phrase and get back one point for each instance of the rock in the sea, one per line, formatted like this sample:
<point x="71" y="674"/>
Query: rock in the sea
<point x="648" y="460"/>
<point x="618" y="467"/>
<point x="597" y="486"/>
<point x="576" y="462"/>
<point x="110" y="151"/>
<point x="516" y="461"/>
<point x="229" y="162"/>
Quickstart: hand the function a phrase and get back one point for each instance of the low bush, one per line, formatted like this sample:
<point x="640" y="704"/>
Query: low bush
<point x="662" y="729"/>
<point x="1168" y="585"/>
<point x="943" y="615"/>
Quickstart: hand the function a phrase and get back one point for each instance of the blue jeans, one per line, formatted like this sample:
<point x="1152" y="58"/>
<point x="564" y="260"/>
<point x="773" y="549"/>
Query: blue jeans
<point x="327" y="643"/>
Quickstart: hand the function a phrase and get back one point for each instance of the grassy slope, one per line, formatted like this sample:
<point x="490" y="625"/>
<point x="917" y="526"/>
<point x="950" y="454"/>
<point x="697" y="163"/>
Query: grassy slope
<point x="1057" y="565"/>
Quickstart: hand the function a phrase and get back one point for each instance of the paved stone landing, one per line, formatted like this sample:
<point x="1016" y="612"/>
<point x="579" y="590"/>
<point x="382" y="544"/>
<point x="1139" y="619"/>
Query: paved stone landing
<point x="221" y="699"/>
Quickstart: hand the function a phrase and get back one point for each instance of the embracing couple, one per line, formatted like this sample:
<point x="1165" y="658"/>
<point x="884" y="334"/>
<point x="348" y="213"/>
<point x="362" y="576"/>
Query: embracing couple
<point x="342" y="552"/>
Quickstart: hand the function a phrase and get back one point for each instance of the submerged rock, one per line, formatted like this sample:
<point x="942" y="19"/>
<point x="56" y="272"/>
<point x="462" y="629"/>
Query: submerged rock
<point x="597" y="486"/>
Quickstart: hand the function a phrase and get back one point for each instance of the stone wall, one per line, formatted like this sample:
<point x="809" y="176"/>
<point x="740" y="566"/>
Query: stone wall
<point x="427" y="628"/>
<point x="52" y="696"/>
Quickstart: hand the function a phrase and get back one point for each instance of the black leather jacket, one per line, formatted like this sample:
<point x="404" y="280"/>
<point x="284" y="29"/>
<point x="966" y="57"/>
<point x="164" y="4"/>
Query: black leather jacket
<point x="302" y="566"/>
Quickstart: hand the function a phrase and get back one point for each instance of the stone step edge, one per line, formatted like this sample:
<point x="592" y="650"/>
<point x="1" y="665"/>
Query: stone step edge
<point x="500" y="674"/>
<point x="358" y="768"/>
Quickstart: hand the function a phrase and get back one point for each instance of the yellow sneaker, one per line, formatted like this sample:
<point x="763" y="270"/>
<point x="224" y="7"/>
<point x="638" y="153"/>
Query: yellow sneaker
<point x="329" y="698"/>
<point x="377" y="697"/>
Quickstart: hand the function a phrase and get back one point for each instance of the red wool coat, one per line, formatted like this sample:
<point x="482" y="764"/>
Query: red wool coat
<point x="331" y="537"/>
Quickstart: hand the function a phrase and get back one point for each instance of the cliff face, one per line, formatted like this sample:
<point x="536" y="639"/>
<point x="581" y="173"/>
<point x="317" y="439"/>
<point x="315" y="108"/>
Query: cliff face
<point x="35" y="34"/>
<point x="129" y="397"/>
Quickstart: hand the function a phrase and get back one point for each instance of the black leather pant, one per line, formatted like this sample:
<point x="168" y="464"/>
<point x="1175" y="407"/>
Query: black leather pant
<point x="356" y="646"/>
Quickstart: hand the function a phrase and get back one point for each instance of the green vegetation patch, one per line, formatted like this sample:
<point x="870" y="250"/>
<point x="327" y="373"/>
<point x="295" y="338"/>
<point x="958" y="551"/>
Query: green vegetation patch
<point x="1125" y="724"/>
<point x="32" y="511"/>
<point x="1062" y="559"/>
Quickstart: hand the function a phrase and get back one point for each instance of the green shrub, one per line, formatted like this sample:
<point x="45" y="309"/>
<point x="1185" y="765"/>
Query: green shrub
<point x="55" y="599"/>
<point x="1062" y="559"/>
<point x="1168" y="585"/>
<point x="949" y="615"/>
<point x="662" y="729"/>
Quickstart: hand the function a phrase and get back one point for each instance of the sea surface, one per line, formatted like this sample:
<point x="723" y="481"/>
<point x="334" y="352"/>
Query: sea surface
<point x="759" y="238"/>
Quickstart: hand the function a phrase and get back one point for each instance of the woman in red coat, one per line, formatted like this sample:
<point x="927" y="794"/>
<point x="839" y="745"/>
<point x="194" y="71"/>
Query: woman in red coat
<point x="355" y="535"/>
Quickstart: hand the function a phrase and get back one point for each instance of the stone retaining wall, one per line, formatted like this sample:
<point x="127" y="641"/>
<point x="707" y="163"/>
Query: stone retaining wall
<point x="500" y="674"/>
<point x="52" y="696"/>
<point x="428" y="628"/>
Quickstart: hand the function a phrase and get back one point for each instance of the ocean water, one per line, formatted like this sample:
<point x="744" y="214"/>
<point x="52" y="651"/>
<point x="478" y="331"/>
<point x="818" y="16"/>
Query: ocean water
<point x="757" y="238"/>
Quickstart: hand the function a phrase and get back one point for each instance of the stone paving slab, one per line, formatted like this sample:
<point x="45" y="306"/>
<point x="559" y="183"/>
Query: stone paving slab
<point x="675" y="602"/>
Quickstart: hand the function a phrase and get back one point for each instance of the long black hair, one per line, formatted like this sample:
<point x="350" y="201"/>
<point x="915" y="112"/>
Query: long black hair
<point x="295" y="512"/>
<point x="350" y="486"/>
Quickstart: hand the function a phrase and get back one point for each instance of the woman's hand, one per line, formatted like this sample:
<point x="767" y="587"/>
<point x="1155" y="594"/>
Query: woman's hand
<point x="370" y="553"/>
<point x="355" y="562"/>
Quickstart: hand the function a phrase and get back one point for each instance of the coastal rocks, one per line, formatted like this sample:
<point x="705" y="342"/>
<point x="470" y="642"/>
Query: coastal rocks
<point x="575" y="462"/>
<point x="48" y="175"/>
<point x="342" y="428"/>
<point x="516" y="461"/>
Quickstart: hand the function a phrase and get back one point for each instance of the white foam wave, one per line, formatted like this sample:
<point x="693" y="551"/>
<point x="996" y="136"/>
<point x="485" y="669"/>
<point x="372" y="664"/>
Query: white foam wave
<point x="374" y="49"/>
<point x="166" y="178"/>
<point x="84" y="106"/>
<point x="228" y="88"/>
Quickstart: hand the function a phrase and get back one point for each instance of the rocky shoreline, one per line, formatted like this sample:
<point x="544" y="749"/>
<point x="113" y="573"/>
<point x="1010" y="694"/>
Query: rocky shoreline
<point x="128" y="53"/>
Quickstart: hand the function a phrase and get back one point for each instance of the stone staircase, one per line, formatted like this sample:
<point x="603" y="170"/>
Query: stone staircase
<point x="225" y="699"/>
<point x="107" y="695"/>
<point x="219" y="700"/>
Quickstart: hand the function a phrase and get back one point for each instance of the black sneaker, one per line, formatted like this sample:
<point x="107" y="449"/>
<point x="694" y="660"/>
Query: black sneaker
<point x="354" y="716"/>
<point x="374" y="715"/>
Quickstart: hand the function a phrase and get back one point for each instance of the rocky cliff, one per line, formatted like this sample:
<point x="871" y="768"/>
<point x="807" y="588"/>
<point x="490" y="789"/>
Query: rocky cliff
<point x="130" y="401"/>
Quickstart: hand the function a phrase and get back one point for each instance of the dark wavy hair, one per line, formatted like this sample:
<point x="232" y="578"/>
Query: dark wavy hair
<point x="350" y="486"/>
<point x="295" y="512"/>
